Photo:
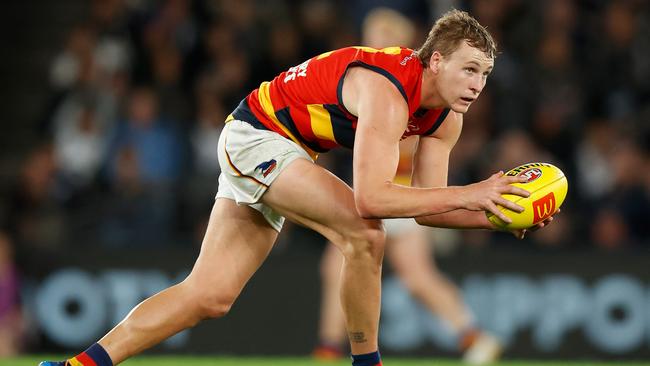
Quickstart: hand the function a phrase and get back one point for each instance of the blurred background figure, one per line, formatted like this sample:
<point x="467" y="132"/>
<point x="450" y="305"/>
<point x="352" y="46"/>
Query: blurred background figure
<point x="37" y="221"/>
<point x="145" y="165"/>
<point x="409" y="249"/>
<point x="11" y="316"/>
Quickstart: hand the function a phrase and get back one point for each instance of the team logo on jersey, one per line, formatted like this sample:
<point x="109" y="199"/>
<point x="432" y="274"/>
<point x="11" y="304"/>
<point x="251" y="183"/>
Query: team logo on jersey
<point x="531" y="174"/>
<point x="267" y="167"/>
<point x="543" y="208"/>
<point x="407" y="59"/>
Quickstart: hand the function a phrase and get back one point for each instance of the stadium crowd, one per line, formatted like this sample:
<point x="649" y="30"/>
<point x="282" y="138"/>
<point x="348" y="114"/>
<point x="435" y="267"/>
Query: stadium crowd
<point x="125" y="153"/>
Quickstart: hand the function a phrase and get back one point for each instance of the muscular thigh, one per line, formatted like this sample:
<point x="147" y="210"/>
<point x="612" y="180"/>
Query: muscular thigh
<point x="236" y="242"/>
<point x="312" y="196"/>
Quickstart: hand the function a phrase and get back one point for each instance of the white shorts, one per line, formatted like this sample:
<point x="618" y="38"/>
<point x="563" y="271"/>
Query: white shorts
<point x="399" y="225"/>
<point x="250" y="160"/>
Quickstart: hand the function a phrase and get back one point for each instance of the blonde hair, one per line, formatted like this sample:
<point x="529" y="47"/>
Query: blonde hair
<point x="384" y="27"/>
<point x="451" y="30"/>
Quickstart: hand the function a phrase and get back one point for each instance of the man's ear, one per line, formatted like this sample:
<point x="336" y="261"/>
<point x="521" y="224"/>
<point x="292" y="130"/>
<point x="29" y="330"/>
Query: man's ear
<point x="434" y="61"/>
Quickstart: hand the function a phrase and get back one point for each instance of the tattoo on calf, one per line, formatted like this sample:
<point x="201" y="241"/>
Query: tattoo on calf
<point x="358" y="337"/>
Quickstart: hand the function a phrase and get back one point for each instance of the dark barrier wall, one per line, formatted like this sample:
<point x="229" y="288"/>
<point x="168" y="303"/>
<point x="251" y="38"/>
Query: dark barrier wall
<point x="569" y="304"/>
<point x="555" y="305"/>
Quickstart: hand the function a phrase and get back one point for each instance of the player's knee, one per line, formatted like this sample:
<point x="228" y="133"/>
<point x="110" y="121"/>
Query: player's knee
<point x="365" y="243"/>
<point x="214" y="305"/>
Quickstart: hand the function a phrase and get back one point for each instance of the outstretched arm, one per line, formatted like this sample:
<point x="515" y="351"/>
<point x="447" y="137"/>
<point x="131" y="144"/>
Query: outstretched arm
<point x="431" y="163"/>
<point x="383" y="115"/>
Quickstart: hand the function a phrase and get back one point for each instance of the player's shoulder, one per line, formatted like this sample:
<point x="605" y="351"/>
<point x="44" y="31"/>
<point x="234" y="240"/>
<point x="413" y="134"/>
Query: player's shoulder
<point x="394" y="54"/>
<point x="379" y="85"/>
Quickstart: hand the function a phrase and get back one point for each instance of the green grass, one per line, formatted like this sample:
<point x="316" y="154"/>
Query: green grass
<point x="301" y="361"/>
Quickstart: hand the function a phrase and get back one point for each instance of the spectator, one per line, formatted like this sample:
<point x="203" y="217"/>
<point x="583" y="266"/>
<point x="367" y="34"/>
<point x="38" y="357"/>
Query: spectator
<point x="144" y="170"/>
<point x="81" y="136"/>
<point x="154" y="139"/>
<point x="37" y="221"/>
<point x="548" y="86"/>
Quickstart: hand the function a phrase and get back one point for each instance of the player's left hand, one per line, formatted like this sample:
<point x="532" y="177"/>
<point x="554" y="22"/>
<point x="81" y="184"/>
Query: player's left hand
<point x="521" y="233"/>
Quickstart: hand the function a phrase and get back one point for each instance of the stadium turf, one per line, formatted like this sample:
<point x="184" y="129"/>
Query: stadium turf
<point x="296" y="361"/>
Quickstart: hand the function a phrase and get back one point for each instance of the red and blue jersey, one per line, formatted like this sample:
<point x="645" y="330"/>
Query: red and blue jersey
<point x="305" y="102"/>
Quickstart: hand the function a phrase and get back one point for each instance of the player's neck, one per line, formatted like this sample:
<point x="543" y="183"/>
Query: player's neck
<point x="430" y="98"/>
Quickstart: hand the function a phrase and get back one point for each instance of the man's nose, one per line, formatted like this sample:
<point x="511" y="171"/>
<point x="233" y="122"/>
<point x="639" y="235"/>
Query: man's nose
<point x="477" y="85"/>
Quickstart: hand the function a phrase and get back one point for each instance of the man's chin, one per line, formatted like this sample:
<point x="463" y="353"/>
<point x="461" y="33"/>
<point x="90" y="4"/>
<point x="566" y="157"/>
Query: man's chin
<point x="460" y="108"/>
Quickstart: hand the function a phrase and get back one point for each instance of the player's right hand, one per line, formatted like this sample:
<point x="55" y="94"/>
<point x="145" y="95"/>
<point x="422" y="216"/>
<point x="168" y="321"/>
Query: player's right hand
<point x="521" y="233"/>
<point x="487" y="194"/>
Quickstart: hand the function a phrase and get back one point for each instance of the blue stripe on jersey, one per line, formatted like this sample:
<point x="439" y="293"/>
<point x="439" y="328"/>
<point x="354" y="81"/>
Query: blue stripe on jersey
<point x="243" y="113"/>
<point x="285" y="118"/>
<point x="341" y="126"/>
<point x="385" y="73"/>
<point x="438" y="122"/>
<point x="377" y="69"/>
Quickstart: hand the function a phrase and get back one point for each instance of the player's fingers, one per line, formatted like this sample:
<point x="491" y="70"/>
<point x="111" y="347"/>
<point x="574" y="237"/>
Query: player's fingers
<point x="522" y="234"/>
<point x="497" y="175"/>
<point x="495" y="210"/>
<point x="517" y="191"/>
<point x="542" y="224"/>
<point x="515" y="179"/>
<point x="509" y="204"/>
<point x="519" y="234"/>
<point x="548" y="221"/>
<point x="537" y="227"/>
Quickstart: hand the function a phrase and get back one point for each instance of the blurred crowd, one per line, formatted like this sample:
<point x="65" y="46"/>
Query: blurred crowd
<point x="126" y="154"/>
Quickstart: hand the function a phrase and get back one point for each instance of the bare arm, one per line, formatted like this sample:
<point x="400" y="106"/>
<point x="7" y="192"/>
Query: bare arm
<point x="431" y="163"/>
<point x="383" y="115"/>
<point x="431" y="166"/>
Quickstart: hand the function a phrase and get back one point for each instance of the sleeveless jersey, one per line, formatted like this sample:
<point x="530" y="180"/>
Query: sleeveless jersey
<point x="305" y="102"/>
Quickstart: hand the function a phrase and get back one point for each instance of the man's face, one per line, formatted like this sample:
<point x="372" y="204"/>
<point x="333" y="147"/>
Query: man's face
<point x="461" y="76"/>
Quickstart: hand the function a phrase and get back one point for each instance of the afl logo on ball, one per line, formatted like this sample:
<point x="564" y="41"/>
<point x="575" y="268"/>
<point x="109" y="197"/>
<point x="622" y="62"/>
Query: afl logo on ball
<point x="531" y="174"/>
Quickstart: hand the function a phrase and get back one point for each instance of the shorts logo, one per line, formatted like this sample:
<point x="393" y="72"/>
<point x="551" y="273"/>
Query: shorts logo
<point x="543" y="208"/>
<point x="267" y="167"/>
<point x="531" y="174"/>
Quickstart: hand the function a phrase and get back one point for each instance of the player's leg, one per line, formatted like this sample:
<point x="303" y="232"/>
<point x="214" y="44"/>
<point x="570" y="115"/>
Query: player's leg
<point x="331" y="324"/>
<point x="412" y="259"/>
<point x="321" y="201"/>
<point x="411" y="255"/>
<point x="237" y="241"/>
<point x="266" y="168"/>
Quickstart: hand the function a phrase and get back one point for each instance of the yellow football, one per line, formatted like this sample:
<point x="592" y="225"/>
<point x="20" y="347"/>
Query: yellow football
<point x="548" y="187"/>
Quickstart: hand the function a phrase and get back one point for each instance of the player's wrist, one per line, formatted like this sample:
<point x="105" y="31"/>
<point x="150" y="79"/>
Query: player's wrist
<point x="458" y="194"/>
